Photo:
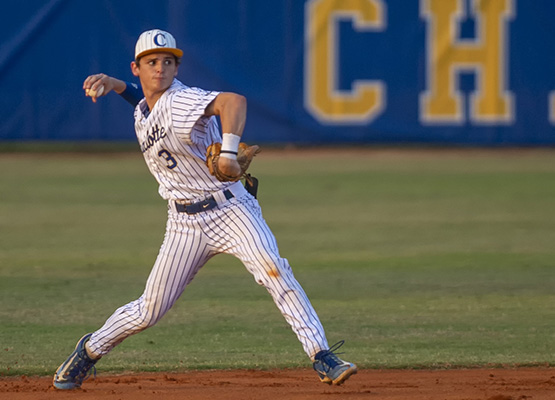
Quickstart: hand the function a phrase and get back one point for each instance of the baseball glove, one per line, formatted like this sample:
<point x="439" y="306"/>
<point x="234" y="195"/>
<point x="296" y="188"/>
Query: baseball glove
<point x="245" y="154"/>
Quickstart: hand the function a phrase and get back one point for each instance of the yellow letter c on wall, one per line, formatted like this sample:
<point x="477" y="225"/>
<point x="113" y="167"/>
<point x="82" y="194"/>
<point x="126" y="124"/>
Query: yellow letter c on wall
<point x="323" y="100"/>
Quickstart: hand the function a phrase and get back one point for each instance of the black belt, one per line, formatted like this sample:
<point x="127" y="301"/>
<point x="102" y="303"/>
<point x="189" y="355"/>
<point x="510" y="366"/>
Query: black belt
<point x="204" y="205"/>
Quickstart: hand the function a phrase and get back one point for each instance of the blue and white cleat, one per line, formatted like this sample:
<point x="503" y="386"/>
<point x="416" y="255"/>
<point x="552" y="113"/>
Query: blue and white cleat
<point x="330" y="368"/>
<point x="76" y="369"/>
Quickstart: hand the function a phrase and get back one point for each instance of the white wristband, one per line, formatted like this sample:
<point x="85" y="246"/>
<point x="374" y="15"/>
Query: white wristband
<point x="230" y="145"/>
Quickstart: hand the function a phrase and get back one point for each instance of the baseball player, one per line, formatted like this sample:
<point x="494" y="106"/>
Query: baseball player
<point x="209" y="210"/>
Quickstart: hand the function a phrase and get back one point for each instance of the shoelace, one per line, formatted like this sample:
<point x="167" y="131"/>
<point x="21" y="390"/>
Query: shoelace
<point x="329" y="358"/>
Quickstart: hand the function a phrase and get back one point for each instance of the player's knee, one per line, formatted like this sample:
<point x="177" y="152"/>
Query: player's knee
<point x="143" y="324"/>
<point x="147" y="321"/>
<point x="149" y="316"/>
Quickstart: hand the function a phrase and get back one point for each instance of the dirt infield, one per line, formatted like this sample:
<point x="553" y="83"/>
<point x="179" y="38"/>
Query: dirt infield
<point x="472" y="384"/>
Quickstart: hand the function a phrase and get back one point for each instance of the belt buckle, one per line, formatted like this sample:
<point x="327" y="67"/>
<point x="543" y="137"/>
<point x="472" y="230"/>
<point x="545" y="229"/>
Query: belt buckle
<point x="181" y="205"/>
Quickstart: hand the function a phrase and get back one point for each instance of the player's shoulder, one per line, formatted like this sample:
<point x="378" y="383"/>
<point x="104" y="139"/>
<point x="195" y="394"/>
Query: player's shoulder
<point x="189" y="94"/>
<point x="179" y="87"/>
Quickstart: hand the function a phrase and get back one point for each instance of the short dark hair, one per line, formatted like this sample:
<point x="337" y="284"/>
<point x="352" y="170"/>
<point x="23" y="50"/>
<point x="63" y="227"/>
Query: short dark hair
<point x="177" y="59"/>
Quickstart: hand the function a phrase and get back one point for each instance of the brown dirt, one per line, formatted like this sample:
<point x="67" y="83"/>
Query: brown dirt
<point x="471" y="384"/>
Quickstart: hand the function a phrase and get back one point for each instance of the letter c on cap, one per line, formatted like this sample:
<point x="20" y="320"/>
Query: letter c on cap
<point x="160" y="40"/>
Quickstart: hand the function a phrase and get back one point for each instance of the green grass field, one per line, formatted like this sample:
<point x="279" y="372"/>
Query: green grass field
<point x="420" y="259"/>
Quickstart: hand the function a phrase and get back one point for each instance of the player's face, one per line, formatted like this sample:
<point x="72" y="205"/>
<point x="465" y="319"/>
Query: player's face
<point x="156" y="71"/>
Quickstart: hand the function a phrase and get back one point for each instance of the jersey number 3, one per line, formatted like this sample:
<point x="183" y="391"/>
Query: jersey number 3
<point x="171" y="162"/>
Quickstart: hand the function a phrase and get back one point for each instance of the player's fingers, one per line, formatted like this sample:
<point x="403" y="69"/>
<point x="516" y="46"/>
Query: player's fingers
<point x="95" y="86"/>
<point x="92" y="80"/>
<point x="253" y="150"/>
<point x="89" y="81"/>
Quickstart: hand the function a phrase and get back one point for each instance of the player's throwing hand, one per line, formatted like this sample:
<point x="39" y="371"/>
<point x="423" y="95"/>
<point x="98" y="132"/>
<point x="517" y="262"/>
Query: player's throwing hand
<point x="100" y="85"/>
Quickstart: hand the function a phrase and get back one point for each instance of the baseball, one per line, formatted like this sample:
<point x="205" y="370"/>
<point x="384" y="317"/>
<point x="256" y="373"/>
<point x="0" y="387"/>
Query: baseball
<point x="95" y="93"/>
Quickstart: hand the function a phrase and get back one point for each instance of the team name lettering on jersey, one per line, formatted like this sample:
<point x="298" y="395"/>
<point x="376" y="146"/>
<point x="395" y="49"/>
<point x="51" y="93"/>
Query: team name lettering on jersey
<point x="156" y="135"/>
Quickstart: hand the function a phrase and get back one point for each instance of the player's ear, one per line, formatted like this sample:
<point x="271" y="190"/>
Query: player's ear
<point x="135" y="68"/>
<point x="177" y="64"/>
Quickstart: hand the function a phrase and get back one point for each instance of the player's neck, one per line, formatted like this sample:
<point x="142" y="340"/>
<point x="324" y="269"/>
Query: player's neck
<point x="152" y="98"/>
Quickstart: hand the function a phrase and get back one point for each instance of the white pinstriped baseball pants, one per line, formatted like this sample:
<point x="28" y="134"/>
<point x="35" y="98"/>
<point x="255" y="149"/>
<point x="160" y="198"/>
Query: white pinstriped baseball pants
<point x="236" y="227"/>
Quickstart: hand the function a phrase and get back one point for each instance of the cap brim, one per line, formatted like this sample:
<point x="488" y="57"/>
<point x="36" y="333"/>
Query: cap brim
<point x="176" y="52"/>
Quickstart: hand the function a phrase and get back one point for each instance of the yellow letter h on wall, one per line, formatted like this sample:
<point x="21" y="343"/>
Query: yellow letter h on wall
<point x="486" y="56"/>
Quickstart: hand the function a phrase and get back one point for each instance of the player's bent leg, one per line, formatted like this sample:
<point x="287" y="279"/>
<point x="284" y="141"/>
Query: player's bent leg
<point x="166" y="282"/>
<point x="126" y="321"/>
<point x="134" y="317"/>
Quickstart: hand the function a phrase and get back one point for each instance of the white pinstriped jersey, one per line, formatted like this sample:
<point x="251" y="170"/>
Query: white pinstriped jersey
<point x="174" y="136"/>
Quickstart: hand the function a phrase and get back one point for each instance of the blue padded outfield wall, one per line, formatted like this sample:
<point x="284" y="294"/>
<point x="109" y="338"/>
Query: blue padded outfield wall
<point x="469" y="72"/>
